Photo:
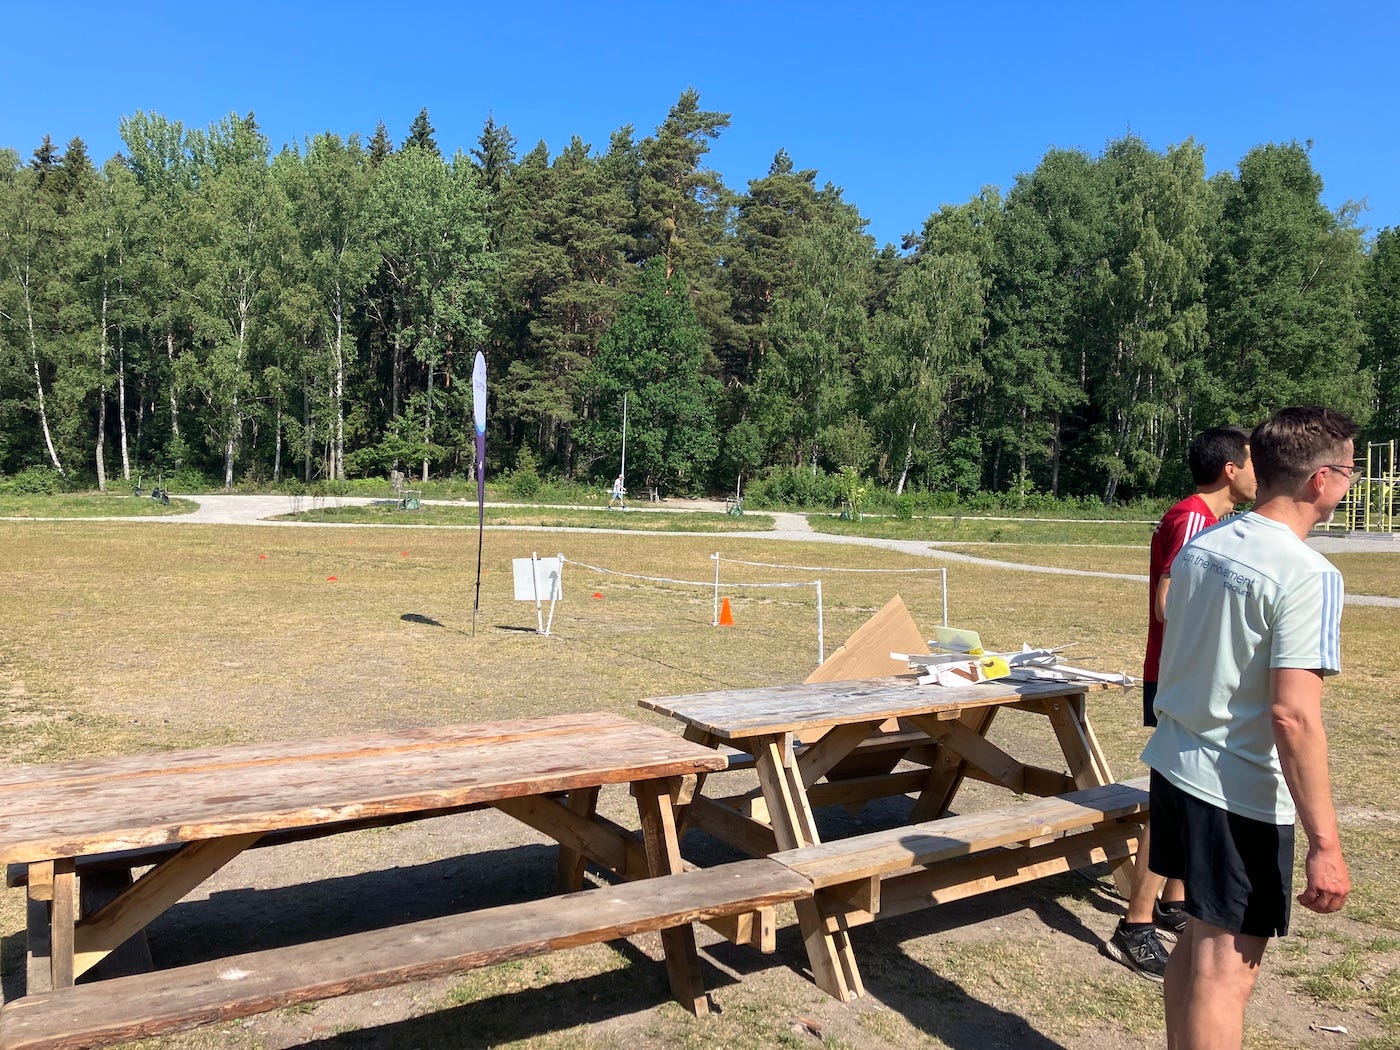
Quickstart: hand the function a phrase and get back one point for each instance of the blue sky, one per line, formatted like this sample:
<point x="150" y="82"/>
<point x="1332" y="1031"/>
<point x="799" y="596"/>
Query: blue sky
<point x="906" y="106"/>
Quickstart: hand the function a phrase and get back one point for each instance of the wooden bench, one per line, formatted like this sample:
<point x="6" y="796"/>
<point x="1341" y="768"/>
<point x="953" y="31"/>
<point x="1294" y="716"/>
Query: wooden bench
<point x="889" y="872"/>
<point x="149" y="1004"/>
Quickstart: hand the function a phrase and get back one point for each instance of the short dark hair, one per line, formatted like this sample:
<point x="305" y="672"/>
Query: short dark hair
<point x="1294" y="442"/>
<point x="1211" y="449"/>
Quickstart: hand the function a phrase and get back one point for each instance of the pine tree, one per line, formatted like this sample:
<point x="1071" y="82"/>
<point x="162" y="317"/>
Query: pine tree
<point x="379" y="146"/>
<point x="495" y="155"/>
<point x="46" y="160"/>
<point x="420" y="135"/>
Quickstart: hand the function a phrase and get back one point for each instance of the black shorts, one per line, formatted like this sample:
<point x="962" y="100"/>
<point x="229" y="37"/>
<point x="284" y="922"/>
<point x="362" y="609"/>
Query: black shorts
<point x="1238" y="872"/>
<point x="1149" y="697"/>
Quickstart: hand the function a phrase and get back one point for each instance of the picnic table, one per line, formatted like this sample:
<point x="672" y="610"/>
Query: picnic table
<point x="850" y="742"/>
<point x="191" y="812"/>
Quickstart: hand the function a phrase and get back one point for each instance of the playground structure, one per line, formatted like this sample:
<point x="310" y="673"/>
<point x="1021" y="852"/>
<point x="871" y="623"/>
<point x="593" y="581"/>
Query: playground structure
<point x="1369" y="505"/>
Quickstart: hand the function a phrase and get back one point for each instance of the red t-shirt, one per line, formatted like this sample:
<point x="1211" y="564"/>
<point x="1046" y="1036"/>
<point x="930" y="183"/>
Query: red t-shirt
<point x="1177" y="526"/>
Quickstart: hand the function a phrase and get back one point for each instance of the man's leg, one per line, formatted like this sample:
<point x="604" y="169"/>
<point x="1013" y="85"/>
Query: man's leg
<point x="1146" y="883"/>
<point x="1209" y="981"/>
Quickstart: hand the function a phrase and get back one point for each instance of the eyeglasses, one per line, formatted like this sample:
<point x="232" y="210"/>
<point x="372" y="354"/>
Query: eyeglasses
<point x="1342" y="469"/>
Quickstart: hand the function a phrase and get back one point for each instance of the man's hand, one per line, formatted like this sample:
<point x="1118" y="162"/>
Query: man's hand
<point x="1328" y="881"/>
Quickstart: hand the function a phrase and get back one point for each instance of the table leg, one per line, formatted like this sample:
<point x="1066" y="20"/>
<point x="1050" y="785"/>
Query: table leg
<point x="164" y="885"/>
<point x="583" y="803"/>
<point x="829" y="949"/>
<point x="658" y="819"/>
<point x="49" y="931"/>
<point x="1087" y="763"/>
<point x="946" y="775"/>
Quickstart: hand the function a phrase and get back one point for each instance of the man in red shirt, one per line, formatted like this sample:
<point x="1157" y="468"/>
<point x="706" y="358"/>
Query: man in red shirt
<point x="1224" y="476"/>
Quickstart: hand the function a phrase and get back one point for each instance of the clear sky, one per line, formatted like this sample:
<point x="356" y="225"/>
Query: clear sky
<point x="906" y="106"/>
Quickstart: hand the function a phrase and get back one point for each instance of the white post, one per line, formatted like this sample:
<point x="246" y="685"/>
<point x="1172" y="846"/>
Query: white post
<point x="715" y="621"/>
<point x="821" y="643"/>
<point x="554" y="594"/>
<point x="535" y="582"/>
<point x="945" y="596"/>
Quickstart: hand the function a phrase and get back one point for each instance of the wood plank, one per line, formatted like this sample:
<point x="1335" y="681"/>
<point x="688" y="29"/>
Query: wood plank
<point x="244" y="756"/>
<point x="860" y="790"/>
<point x="735" y="714"/>
<point x="600" y="840"/>
<point x="95" y="892"/>
<point x="731" y="827"/>
<point x="983" y="873"/>
<point x="582" y="803"/>
<point x="38" y="952"/>
<point x="976" y="749"/>
<point x="1087" y="764"/>
<point x="149" y="896"/>
<point x="63" y="910"/>
<point x="788" y="809"/>
<point x="836" y="744"/>
<point x="947" y="772"/>
<point x="866" y="653"/>
<point x="829" y="952"/>
<point x="173" y="1000"/>
<point x="897" y="849"/>
<point x="664" y="858"/>
<point x="71" y="819"/>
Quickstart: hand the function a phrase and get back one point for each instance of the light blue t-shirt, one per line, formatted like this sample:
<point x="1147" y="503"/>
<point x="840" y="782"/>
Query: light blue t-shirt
<point x="1247" y="596"/>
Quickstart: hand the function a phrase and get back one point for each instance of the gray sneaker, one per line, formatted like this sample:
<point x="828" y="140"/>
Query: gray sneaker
<point x="1138" y="950"/>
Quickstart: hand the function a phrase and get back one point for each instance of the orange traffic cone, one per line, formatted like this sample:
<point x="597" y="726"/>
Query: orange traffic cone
<point x="726" y="618"/>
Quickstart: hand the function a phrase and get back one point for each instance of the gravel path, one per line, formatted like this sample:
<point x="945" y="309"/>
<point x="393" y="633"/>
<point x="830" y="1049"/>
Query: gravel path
<point x="218" y="509"/>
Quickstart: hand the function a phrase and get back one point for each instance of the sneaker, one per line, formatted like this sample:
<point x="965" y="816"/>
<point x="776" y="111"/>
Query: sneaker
<point x="1170" y="920"/>
<point x="1138" y="950"/>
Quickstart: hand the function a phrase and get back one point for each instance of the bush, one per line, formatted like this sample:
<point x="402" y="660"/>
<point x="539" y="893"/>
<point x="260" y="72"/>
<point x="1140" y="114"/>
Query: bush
<point x="187" y="479"/>
<point x="33" y="481"/>
<point x="794" y="487"/>
<point x="525" y="480"/>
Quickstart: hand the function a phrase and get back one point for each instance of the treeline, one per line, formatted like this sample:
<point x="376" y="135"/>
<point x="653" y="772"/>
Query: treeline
<point x="200" y="304"/>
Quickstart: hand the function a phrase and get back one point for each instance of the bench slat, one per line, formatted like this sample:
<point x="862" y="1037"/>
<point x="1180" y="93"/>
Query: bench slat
<point x="163" y="1001"/>
<point x="899" y="849"/>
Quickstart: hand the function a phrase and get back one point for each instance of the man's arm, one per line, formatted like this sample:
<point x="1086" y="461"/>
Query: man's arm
<point x="1159" y="600"/>
<point x="1302" y="751"/>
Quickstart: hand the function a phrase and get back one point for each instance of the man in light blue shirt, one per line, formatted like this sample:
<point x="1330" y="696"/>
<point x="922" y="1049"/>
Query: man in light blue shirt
<point x="1252" y="628"/>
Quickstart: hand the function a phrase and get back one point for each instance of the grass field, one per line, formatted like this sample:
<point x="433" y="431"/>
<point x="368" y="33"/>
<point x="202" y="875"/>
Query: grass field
<point x="90" y="505"/>
<point x="988" y="530"/>
<point x="122" y="638"/>
<point x="637" y="518"/>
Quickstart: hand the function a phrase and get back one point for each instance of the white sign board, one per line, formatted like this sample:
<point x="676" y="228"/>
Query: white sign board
<point x="537" y="579"/>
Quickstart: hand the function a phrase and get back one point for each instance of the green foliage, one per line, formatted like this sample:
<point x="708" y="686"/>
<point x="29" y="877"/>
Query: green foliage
<point x="525" y="479"/>
<point x="315" y="313"/>
<point x="653" y="355"/>
<point x="799" y="487"/>
<point x="33" y="481"/>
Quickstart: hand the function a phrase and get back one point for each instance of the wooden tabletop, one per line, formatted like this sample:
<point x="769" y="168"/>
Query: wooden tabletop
<point x="733" y="714"/>
<point x="75" y="809"/>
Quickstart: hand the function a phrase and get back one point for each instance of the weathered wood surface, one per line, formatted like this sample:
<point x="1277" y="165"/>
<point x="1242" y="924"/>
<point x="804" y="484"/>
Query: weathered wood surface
<point x="172" y="1000"/>
<point x="78" y="808"/>
<point x="880" y="853"/>
<point x="735" y="714"/>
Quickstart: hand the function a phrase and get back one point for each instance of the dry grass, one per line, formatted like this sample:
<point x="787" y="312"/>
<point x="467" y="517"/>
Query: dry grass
<point x="637" y="518"/>
<point x="90" y="505"/>
<point x="1128" y="559"/>
<point x="125" y="637"/>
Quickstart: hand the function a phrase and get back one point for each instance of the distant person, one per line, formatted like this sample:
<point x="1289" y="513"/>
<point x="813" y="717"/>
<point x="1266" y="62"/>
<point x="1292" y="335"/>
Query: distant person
<point x="1224" y="476"/>
<point x="618" y="491"/>
<point x="1253" y="627"/>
